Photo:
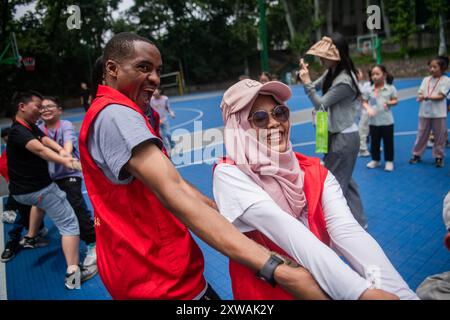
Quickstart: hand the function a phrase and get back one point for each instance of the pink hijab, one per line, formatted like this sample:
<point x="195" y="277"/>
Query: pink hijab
<point x="278" y="173"/>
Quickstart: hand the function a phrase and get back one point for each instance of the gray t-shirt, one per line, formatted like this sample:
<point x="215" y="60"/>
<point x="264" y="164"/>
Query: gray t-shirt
<point x="65" y="133"/>
<point x="116" y="131"/>
<point x="383" y="117"/>
<point x="340" y="100"/>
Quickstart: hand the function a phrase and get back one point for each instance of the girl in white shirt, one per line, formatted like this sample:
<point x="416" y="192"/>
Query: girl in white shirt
<point x="262" y="187"/>
<point x="433" y="111"/>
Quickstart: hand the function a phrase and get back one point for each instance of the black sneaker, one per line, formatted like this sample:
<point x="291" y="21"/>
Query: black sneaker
<point x="34" y="242"/>
<point x="439" y="163"/>
<point x="414" y="159"/>
<point x="11" y="248"/>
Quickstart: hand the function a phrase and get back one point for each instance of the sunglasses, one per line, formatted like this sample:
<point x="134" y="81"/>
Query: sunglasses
<point x="260" y="118"/>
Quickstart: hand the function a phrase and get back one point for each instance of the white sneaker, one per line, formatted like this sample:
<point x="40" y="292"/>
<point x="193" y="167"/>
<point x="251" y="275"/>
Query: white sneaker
<point x="88" y="272"/>
<point x="91" y="255"/>
<point x="364" y="153"/>
<point x="389" y="166"/>
<point x="373" y="164"/>
<point x="72" y="279"/>
<point x="9" y="216"/>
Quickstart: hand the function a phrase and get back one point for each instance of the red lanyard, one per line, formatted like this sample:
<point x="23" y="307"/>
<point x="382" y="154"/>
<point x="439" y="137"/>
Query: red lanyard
<point x="26" y="125"/>
<point x="56" y="132"/>
<point x="437" y="82"/>
<point x="376" y="90"/>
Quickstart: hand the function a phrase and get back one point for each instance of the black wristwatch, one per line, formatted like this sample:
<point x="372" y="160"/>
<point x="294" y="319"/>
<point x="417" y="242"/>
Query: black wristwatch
<point x="267" y="271"/>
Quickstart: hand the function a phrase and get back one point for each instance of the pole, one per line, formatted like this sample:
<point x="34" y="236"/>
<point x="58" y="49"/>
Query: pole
<point x="378" y="50"/>
<point x="263" y="36"/>
<point x="181" y="83"/>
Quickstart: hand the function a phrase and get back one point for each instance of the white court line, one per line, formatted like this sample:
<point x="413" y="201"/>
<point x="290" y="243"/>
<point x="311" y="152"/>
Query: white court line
<point x="199" y="96"/>
<point x="189" y="121"/>
<point x="3" y="292"/>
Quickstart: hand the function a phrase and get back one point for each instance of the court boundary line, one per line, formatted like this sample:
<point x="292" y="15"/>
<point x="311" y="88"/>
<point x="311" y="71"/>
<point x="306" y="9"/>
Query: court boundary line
<point x="200" y="115"/>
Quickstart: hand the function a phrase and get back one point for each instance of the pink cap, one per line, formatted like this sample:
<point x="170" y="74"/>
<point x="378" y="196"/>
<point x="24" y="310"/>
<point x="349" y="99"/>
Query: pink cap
<point x="244" y="93"/>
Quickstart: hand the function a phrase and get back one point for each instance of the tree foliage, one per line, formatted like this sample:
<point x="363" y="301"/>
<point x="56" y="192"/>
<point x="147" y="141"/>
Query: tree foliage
<point x="402" y="17"/>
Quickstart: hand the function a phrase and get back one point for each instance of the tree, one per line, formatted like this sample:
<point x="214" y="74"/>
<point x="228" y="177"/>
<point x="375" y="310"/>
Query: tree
<point x="402" y="16"/>
<point x="300" y="20"/>
<point x="63" y="57"/>
<point x="386" y="22"/>
<point x="212" y="39"/>
<point x="438" y="10"/>
<point x="329" y="17"/>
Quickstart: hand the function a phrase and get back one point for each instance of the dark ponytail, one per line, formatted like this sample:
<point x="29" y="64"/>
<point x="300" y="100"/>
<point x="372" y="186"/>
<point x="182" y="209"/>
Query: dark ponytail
<point x="389" y="77"/>
<point x="345" y="64"/>
<point x="442" y="62"/>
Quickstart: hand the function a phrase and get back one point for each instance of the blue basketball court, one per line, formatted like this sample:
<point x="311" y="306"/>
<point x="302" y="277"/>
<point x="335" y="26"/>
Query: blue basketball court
<point x="404" y="207"/>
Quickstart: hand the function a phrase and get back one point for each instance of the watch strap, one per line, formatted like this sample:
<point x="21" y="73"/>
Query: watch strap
<point x="267" y="271"/>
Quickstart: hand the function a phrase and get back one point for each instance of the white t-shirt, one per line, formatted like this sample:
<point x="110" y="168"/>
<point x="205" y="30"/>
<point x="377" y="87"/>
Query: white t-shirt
<point x="249" y="207"/>
<point x="431" y="86"/>
<point x="162" y="106"/>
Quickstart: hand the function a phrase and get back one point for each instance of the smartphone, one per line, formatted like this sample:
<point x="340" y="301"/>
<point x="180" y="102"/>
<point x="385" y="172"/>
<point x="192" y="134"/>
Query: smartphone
<point x="302" y="63"/>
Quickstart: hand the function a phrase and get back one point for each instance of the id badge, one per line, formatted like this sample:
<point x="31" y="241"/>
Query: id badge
<point x="427" y="107"/>
<point x="373" y="102"/>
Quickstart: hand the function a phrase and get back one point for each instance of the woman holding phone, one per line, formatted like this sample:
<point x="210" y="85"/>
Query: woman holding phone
<point x="340" y="98"/>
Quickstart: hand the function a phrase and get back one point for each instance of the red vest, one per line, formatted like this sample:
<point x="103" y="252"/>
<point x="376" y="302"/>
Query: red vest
<point x="245" y="285"/>
<point x="4" y="166"/>
<point x="143" y="250"/>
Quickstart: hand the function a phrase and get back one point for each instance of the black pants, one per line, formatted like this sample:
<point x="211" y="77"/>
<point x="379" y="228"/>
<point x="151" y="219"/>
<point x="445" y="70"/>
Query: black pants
<point x="72" y="187"/>
<point x="22" y="220"/>
<point x="387" y="134"/>
<point x="210" y="294"/>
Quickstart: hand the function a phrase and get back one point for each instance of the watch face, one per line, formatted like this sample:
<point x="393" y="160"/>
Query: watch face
<point x="278" y="257"/>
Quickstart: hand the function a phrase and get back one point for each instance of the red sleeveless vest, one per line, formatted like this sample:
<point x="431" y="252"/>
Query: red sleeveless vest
<point x="4" y="166"/>
<point x="143" y="250"/>
<point x="245" y="285"/>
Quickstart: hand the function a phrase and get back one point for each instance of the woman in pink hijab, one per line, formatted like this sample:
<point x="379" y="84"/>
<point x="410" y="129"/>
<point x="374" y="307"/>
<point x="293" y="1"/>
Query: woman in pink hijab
<point x="292" y="205"/>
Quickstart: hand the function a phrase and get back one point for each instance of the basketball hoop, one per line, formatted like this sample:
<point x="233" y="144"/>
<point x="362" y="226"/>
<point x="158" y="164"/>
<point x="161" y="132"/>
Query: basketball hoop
<point x="29" y="63"/>
<point x="367" y="47"/>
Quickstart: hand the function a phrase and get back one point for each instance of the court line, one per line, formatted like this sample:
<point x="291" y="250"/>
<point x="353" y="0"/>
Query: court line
<point x="189" y="121"/>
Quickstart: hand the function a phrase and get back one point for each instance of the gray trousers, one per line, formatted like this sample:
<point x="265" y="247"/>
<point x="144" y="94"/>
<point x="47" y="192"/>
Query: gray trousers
<point x="363" y="131"/>
<point x="439" y="127"/>
<point x="340" y="160"/>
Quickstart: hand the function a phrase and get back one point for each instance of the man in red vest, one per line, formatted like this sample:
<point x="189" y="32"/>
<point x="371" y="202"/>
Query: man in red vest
<point x="143" y="207"/>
